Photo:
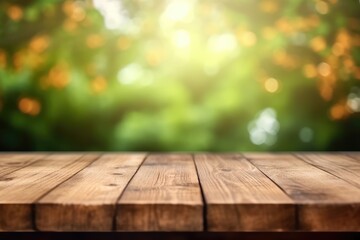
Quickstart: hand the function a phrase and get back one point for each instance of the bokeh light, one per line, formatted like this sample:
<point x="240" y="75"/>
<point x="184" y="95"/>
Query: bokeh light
<point x="179" y="75"/>
<point x="29" y="106"/>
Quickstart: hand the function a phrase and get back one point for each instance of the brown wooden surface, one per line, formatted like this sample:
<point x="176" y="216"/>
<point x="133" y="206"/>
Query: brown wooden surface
<point x="124" y="192"/>
<point x="164" y="195"/>
<point x="355" y="155"/>
<point x="24" y="187"/>
<point x="86" y="202"/>
<point x="324" y="201"/>
<point x="11" y="162"/>
<point x="241" y="198"/>
<point x="267" y="155"/>
<point x="344" y="167"/>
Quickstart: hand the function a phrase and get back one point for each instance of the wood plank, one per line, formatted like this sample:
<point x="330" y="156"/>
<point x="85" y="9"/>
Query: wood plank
<point x="240" y="198"/>
<point x="342" y="166"/>
<point x="267" y="155"/>
<point x="324" y="202"/>
<point x="11" y="162"/>
<point x="23" y="187"/>
<point x="164" y="195"/>
<point x="86" y="202"/>
<point x="354" y="155"/>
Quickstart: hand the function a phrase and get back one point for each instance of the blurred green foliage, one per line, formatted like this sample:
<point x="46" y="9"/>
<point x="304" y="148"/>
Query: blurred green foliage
<point x="179" y="75"/>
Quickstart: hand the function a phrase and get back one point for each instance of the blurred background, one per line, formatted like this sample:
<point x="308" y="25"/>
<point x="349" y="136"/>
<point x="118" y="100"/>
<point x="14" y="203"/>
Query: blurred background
<point x="179" y="75"/>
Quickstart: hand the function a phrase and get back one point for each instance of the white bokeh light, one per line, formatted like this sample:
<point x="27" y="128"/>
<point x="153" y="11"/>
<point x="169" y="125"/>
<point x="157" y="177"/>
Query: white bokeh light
<point x="181" y="39"/>
<point x="115" y="15"/>
<point x="178" y="10"/>
<point x="130" y="74"/>
<point x="222" y="43"/>
<point x="353" y="100"/>
<point x="134" y="73"/>
<point x="264" y="128"/>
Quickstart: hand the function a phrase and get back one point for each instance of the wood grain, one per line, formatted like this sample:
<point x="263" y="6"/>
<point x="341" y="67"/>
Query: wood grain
<point x="164" y="195"/>
<point x="324" y="202"/>
<point x="258" y="192"/>
<point x="344" y="167"/>
<point x="11" y="162"/>
<point x="86" y="202"/>
<point x="240" y="198"/>
<point x="267" y="155"/>
<point x="23" y="187"/>
<point x="354" y="155"/>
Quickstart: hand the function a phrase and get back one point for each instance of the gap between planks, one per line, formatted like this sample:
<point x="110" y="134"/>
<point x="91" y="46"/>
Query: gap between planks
<point x="325" y="202"/>
<point x="339" y="165"/>
<point x="326" y="213"/>
<point x="87" y="201"/>
<point x="164" y="195"/>
<point x="241" y="198"/>
<point x="26" y="185"/>
<point x="10" y="163"/>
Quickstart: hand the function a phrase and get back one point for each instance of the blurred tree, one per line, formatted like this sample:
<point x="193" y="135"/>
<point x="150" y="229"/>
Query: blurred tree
<point x="191" y="75"/>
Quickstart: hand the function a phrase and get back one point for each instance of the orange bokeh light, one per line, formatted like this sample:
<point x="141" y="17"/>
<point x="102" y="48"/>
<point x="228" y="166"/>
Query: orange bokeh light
<point x="29" y="106"/>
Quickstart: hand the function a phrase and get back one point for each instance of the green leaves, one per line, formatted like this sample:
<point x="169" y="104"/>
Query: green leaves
<point x="177" y="75"/>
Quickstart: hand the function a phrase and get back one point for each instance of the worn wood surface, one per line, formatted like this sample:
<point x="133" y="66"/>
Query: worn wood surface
<point x="267" y="155"/>
<point x="20" y="189"/>
<point x="164" y="195"/>
<point x="324" y="201"/>
<point x="11" y="162"/>
<point x="86" y="202"/>
<point x="180" y="192"/>
<point x="344" y="167"/>
<point x="241" y="198"/>
<point x="355" y="155"/>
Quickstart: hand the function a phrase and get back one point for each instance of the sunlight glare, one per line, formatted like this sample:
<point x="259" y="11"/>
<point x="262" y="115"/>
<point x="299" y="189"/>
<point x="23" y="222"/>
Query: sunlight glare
<point x="178" y="10"/>
<point x="181" y="39"/>
<point x="130" y="73"/>
<point x="222" y="43"/>
<point x="115" y="15"/>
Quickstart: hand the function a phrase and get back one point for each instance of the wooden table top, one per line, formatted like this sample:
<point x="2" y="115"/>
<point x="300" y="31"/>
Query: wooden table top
<point x="180" y="192"/>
